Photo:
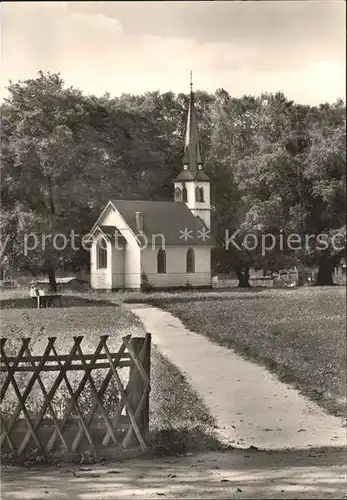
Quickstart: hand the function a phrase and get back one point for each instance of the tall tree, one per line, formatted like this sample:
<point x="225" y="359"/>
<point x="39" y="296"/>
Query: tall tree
<point x="324" y="174"/>
<point x="234" y="123"/>
<point x="49" y="165"/>
<point x="293" y="179"/>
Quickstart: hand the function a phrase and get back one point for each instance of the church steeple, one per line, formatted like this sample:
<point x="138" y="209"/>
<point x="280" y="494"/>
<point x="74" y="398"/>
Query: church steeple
<point x="192" y="159"/>
<point x="192" y="153"/>
<point x="192" y="185"/>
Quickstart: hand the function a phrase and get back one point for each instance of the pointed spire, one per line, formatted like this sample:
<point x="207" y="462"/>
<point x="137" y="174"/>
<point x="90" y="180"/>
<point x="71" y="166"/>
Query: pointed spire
<point x="192" y="160"/>
<point x="192" y="153"/>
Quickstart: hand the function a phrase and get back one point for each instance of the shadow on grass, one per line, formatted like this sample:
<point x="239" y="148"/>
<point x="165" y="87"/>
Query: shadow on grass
<point x="67" y="301"/>
<point x="168" y="442"/>
<point x="156" y="300"/>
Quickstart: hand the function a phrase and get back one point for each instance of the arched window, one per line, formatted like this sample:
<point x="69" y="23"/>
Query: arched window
<point x="101" y="254"/>
<point x="190" y="261"/>
<point x="184" y="194"/>
<point x="178" y="194"/>
<point x="161" y="261"/>
<point x="201" y="194"/>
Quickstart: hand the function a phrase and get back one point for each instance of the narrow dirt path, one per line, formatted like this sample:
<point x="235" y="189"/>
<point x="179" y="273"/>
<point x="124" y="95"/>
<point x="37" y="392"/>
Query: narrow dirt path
<point x="230" y="475"/>
<point x="250" y="405"/>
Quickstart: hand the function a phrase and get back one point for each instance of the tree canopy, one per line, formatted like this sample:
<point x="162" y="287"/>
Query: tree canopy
<point x="275" y="167"/>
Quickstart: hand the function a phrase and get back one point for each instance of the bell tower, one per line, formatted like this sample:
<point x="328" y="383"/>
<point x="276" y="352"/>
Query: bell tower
<point x="192" y="185"/>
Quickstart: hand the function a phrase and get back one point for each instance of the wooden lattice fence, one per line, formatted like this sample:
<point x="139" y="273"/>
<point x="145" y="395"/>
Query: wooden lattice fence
<point x="71" y="403"/>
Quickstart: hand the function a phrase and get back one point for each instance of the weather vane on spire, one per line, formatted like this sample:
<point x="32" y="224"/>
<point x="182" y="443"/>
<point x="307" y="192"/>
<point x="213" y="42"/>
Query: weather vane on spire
<point x="191" y="80"/>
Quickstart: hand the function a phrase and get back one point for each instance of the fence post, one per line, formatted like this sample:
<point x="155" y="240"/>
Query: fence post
<point x="136" y="385"/>
<point x="147" y="367"/>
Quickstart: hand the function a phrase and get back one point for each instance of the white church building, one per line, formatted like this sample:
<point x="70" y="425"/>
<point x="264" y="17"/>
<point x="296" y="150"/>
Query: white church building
<point x="167" y="243"/>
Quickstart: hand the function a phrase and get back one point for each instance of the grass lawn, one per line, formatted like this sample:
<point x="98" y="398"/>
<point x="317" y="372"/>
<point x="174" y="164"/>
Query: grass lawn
<point x="179" y="421"/>
<point x="300" y="334"/>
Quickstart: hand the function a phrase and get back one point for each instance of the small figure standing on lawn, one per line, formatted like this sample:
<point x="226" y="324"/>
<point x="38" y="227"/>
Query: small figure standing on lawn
<point x="35" y="291"/>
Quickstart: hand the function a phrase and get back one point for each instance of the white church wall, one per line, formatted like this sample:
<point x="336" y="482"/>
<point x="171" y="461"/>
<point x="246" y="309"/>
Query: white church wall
<point x="100" y="279"/>
<point x="129" y="258"/>
<point x="201" y="209"/>
<point x="176" y="274"/>
<point x="132" y="261"/>
<point x="118" y="266"/>
<point x="132" y="266"/>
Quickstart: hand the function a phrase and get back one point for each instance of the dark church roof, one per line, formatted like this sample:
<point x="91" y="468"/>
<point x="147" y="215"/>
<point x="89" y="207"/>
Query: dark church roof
<point x="169" y="218"/>
<point x="188" y="175"/>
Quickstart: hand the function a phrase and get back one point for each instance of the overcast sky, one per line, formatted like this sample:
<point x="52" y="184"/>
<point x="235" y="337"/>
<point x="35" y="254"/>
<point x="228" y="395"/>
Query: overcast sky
<point x="297" y="47"/>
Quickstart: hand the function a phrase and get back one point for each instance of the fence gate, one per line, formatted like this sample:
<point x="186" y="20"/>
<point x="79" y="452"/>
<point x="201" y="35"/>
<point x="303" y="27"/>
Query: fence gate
<point x="71" y="403"/>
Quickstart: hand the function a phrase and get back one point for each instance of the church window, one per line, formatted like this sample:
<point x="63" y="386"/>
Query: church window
<point x="190" y="261"/>
<point x="178" y="194"/>
<point x="199" y="194"/>
<point x="202" y="194"/>
<point x="161" y="261"/>
<point x="184" y="194"/>
<point x="101" y="254"/>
